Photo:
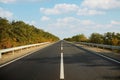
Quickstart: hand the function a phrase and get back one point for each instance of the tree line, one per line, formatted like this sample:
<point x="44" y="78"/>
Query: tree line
<point x="17" y="33"/>
<point x="108" y="38"/>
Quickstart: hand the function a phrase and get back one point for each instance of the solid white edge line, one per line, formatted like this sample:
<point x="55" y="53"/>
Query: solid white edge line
<point x="62" y="67"/>
<point x="21" y="57"/>
<point x="104" y="56"/>
<point x="108" y="58"/>
<point x="16" y="59"/>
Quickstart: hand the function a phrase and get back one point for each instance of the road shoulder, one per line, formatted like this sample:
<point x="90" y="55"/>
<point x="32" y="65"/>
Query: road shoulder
<point x="9" y="57"/>
<point x="100" y="51"/>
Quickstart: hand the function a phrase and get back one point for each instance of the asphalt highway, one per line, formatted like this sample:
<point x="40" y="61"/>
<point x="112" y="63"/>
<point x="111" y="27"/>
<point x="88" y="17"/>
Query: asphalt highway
<point x="61" y="61"/>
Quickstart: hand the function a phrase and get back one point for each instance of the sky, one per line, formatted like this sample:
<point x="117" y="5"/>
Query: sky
<point x="65" y="18"/>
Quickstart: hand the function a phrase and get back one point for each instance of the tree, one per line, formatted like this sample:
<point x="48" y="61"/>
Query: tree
<point x="77" y="38"/>
<point x="115" y="41"/>
<point x="17" y="33"/>
<point x="96" y="38"/>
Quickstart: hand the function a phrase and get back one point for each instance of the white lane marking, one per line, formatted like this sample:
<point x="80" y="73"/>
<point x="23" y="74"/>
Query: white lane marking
<point x="62" y="68"/>
<point x="61" y="46"/>
<point x="108" y="58"/>
<point x="23" y="56"/>
<point x="16" y="59"/>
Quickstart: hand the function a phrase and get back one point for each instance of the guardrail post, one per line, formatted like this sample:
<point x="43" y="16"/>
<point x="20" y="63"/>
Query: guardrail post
<point x="88" y="45"/>
<point x="28" y="48"/>
<point x="0" y="55"/>
<point x="97" y="46"/>
<point x="21" y="50"/>
<point x="92" y="45"/>
<point x="112" y="48"/>
<point x="103" y="47"/>
<point x="13" y="52"/>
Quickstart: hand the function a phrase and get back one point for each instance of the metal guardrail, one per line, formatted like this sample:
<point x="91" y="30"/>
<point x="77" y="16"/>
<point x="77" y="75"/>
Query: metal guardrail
<point x="100" y="45"/>
<point x="19" y="48"/>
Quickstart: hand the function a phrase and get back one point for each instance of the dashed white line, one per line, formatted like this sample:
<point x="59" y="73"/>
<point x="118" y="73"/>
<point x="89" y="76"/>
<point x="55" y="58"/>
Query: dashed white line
<point x="62" y="68"/>
<point x="61" y="64"/>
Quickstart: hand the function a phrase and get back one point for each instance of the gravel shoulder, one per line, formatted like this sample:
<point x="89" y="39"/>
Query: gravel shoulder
<point x="6" y="57"/>
<point x="102" y="51"/>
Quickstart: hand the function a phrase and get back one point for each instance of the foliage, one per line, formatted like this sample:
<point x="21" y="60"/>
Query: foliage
<point x="109" y="38"/>
<point x="19" y="33"/>
<point x="96" y="38"/>
<point x="77" y="38"/>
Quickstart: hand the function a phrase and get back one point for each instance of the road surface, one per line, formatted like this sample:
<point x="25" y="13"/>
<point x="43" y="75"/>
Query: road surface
<point x="61" y="61"/>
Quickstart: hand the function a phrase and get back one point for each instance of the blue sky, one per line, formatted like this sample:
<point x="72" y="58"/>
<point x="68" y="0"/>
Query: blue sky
<point x="65" y="18"/>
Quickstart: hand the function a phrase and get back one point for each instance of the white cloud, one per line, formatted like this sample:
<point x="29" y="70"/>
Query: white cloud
<point x="23" y="1"/>
<point x="5" y="13"/>
<point x="60" y="9"/>
<point x="67" y="20"/>
<point x="49" y="11"/>
<point x="74" y="21"/>
<point x="86" y="11"/>
<point x="31" y="22"/>
<point x="115" y="22"/>
<point x="70" y="8"/>
<point x="101" y="4"/>
<point x="37" y="0"/>
<point x="45" y="18"/>
<point x="66" y="7"/>
<point x="87" y="22"/>
<point x="69" y="26"/>
<point x="7" y="1"/>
